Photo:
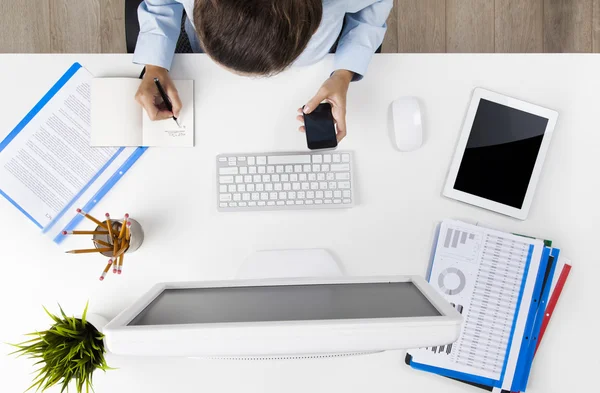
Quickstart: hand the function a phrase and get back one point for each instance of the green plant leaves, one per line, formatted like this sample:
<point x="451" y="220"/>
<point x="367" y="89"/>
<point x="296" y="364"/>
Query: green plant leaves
<point x="71" y="350"/>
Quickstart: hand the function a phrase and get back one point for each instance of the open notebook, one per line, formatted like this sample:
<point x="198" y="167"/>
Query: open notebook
<point x="118" y="120"/>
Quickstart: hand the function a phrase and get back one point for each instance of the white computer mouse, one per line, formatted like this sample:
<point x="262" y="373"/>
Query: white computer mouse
<point x="407" y="124"/>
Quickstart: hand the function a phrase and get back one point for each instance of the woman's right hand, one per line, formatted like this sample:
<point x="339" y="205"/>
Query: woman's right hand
<point x="149" y="97"/>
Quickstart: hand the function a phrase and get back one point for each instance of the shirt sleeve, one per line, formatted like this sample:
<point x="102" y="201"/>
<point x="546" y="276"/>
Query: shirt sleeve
<point x="160" y="26"/>
<point x="362" y="34"/>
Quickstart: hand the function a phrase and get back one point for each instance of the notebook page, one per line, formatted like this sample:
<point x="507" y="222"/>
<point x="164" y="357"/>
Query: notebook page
<point x="49" y="161"/>
<point x="116" y="116"/>
<point x="480" y="272"/>
<point x="166" y="133"/>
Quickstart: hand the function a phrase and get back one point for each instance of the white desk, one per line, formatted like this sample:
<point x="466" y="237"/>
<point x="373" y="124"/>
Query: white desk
<point x="171" y="193"/>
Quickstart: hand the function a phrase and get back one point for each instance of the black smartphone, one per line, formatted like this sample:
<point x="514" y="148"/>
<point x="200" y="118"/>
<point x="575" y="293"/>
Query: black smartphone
<point x="320" y="128"/>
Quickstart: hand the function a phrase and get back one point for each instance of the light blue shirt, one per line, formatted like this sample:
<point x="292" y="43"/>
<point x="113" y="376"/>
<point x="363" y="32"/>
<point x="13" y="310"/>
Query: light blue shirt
<point x="160" y="25"/>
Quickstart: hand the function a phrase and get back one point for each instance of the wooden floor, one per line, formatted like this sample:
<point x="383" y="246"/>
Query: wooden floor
<point x="96" y="26"/>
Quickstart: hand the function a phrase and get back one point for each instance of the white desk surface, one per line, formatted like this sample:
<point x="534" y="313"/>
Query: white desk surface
<point x="171" y="192"/>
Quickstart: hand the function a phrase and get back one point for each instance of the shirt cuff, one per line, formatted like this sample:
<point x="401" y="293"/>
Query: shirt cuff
<point x="355" y="58"/>
<point x="153" y="49"/>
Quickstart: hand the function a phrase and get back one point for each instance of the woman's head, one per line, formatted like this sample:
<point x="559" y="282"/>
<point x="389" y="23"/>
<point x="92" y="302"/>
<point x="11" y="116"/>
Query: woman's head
<point x="256" y="37"/>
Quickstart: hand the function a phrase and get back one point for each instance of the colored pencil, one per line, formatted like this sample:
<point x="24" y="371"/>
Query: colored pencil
<point x="89" y="250"/>
<point x="91" y="218"/>
<point x="115" y="246"/>
<point x="123" y="225"/>
<point x="124" y="247"/>
<point x="110" y="232"/>
<point x="85" y="233"/>
<point x="106" y="269"/>
<point x="121" y="259"/>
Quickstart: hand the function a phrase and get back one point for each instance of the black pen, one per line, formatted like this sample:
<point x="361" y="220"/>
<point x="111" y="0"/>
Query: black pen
<point x="165" y="98"/>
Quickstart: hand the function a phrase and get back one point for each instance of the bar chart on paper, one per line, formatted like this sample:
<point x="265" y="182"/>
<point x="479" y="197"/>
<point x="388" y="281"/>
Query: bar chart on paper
<point x="480" y="274"/>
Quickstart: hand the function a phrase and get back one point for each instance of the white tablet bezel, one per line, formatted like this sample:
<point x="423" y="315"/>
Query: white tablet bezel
<point x="449" y="190"/>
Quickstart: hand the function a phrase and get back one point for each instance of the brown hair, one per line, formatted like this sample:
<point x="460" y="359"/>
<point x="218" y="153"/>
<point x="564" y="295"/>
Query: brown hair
<point x="261" y="37"/>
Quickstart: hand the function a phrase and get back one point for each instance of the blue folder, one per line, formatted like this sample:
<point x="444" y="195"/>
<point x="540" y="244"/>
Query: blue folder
<point x="102" y="190"/>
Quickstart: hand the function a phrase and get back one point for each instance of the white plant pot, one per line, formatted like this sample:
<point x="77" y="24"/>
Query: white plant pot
<point x="96" y="320"/>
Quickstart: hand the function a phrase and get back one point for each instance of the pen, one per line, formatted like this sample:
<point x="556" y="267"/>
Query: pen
<point x="166" y="99"/>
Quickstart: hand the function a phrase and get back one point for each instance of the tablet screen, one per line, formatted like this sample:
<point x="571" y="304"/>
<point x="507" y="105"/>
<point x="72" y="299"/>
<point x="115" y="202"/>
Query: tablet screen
<point x="501" y="153"/>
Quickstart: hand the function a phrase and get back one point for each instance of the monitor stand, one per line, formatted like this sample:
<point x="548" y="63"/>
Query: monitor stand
<point x="289" y="264"/>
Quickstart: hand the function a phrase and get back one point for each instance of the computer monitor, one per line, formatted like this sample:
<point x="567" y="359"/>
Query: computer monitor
<point x="284" y="318"/>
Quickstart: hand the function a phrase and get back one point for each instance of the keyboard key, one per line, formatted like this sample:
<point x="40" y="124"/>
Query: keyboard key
<point x="232" y="188"/>
<point x="345" y="157"/>
<point x="241" y="187"/>
<point x="316" y="168"/>
<point x="282" y="195"/>
<point x="250" y="187"/>
<point x="289" y="202"/>
<point x="314" y="186"/>
<point x="295" y="186"/>
<point x="269" y="187"/>
<point x="243" y="170"/>
<point x="299" y="202"/>
<point x="317" y="159"/>
<point x="223" y="188"/>
<point x="262" y="203"/>
<point x="327" y="158"/>
<point x="264" y="196"/>
<point x="328" y="201"/>
<point x="292" y="195"/>
<point x="239" y="179"/>
<point x="325" y="168"/>
<point x="251" y="203"/>
<point x="271" y="203"/>
<point x="294" y="159"/>
<point x="309" y="202"/>
<point x="319" y="202"/>
<point x="252" y="170"/>
<point x="312" y="177"/>
<point x="302" y="177"/>
<point x="278" y="187"/>
<point x="266" y="178"/>
<point x="287" y="186"/>
<point x="251" y="161"/>
<point x="337" y="158"/>
<point x="237" y="197"/>
<point x="328" y="194"/>
<point x="225" y="179"/>
<point x="340" y="167"/>
<point x="337" y="194"/>
<point x="222" y="159"/>
<point x="302" y="194"/>
<point x="272" y="196"/>
<point x="347" y="201"/>
<point x="225" y="197"/>
<point x="279" y="169"/>
<point x="346" y="193"/>
<point x="241" y="159"/>
<point x="344" y="185"/>
<point x="256" y="178"/>
<point x="285" y="177"/>
<point x="270" y="169"/>
<point x="242" y="204"/>
<point x="294" y="177"/>
<point x="289" y="168"/>
<point x="330" y="176"/>
<point x="311" y="194"/>
<point x="255" y="196"/>
<point x="342" y="176"/>
<point x="261" y="160"/>
<point x="305" y="186"/>
<point x="306" y="168"/>
<point x="232" y="204"/>
<point x="280" y="203"/>
<point x="262" y="169"/>
<point x="318" y="194"/>
<point x="228" y="171"/>
<point x="323" y="185"/>
<point x="260" y="187"/>
<point x="231" y="161"/>
<point x="332" y="185"/>
<point x="320" y="176"/>
<point x="297" y="168"/>
<point x="336" y="201"/>
<point x="223" y="204"/>
<point x="246" y="196"/>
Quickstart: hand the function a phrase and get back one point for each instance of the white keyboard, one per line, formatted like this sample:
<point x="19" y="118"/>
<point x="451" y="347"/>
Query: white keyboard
<point x="283" y="181"/>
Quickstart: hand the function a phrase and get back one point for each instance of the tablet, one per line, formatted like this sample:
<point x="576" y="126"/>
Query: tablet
<point x="500" y="153"/>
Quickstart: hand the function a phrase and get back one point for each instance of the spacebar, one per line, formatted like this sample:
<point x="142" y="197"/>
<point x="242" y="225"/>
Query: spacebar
<point x="295" y="159"/>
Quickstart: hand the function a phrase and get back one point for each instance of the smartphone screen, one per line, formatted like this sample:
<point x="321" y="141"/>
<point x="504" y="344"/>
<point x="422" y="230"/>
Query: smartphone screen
<point x="320" y="128"/>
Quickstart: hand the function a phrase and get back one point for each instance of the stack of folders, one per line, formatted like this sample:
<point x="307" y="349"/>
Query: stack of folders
<point x="506" y="287"/>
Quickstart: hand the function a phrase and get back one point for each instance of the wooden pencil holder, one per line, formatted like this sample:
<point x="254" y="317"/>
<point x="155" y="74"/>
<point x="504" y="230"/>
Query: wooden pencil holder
<point x="135" y="240"/>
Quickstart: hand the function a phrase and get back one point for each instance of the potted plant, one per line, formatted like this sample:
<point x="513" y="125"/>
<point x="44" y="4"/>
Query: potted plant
<point x="71" y="349"/>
